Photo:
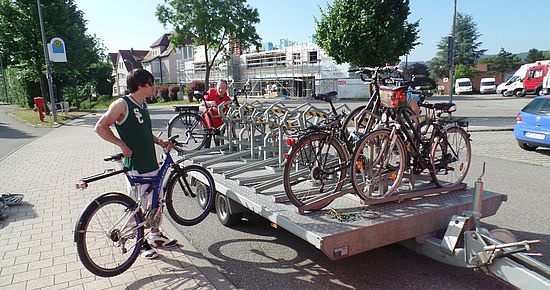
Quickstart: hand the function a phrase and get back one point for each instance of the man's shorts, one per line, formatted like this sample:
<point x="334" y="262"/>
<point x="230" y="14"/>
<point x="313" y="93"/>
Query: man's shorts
<point x="138" y="192"/>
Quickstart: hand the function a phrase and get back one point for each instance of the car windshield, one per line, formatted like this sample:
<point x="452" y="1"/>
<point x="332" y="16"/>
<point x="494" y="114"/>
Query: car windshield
<point x="491" y="83"/>
<point x="512" y="79"/>
<point x="464" y="84"/>
<point x="539" y="106"/>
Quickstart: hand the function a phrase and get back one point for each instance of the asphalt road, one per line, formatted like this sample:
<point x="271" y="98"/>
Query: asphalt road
<point x="254" y="255"/>
<point x="14" y="134"/>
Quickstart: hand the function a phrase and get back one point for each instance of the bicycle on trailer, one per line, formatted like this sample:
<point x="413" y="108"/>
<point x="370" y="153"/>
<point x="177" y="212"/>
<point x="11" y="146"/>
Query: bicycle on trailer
<point x="194" y="128"/>
<point x="382" y="156"/>
<point x="110" y="231"/>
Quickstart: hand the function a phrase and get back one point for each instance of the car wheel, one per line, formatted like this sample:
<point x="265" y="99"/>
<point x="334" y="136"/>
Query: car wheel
<point x="525" y="146"/>
<point x="503" y="93"/>
<point x="538" y="92"/>
<point x="520" y="93"/>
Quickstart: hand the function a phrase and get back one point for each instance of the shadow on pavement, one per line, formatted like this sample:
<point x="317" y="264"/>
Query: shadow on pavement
<point x="19" y="212"/>
<point x="9" y="133"/>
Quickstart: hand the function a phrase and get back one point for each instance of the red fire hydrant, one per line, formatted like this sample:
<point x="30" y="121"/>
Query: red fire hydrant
<point x="39" y="103"/>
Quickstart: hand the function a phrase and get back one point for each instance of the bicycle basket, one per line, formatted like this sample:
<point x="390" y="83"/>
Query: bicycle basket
<point x="393" y="98"/>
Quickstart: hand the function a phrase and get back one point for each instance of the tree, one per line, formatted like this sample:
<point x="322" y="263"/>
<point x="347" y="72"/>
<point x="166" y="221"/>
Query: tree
<point x="213" y="24"/>
<point x="465" y="71"/>
<point x="547" y="54"/>
<point x="533" y="55"/>
<point x="418" y="68"/>
<point x="466" y="50"/>
<point x="20" y="36"/>
<point x="503" y="62"/>
<point x="366" y="33"/>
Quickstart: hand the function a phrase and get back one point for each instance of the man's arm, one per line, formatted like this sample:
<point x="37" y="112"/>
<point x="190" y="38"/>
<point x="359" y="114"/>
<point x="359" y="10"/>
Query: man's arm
<point x="116" y="112"/>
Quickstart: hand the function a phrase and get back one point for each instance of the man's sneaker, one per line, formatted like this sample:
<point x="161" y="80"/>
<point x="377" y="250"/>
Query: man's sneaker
<point x="147" y="252"/>
<point x="160" y="240"/>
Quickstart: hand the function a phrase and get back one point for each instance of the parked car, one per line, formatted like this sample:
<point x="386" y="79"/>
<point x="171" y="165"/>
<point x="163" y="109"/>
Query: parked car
<point x="487" y="86"/>
<point x="532" y="128"/>
<point x="508" y="87"/>
<point x="463" y="86"/>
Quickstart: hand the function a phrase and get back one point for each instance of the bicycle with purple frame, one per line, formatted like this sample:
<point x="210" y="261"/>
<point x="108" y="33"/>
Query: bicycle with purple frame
<point x="110" y="231"/>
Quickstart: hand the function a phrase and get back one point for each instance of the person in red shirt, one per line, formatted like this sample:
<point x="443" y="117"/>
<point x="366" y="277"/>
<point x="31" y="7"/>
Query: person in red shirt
<point x="215" y="97"/>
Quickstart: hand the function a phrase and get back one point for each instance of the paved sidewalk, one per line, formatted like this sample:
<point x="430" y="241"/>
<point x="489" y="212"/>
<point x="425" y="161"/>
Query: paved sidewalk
<point x="36" y="240"/>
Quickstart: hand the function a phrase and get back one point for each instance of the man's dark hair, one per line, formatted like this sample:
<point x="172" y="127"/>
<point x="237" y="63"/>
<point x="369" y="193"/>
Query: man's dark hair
<point x="136" y="78"/>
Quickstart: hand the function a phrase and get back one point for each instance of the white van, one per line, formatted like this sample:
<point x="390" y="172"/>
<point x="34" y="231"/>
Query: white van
<point x="487" y="86"/>
<point x="513" y="85"/>
<point x="463" y="86"/>
<point x="546" y="85"/>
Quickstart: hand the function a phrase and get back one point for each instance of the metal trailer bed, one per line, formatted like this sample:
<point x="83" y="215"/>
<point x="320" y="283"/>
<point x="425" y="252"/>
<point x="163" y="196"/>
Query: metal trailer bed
<point x="381" y="225"/>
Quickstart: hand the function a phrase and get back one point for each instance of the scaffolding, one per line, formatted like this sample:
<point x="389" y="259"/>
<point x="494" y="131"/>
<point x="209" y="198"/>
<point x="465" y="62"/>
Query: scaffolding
<point x="284" y="73"/>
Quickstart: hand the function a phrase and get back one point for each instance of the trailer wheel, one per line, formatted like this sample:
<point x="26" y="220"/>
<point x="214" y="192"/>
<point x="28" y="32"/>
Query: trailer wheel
<point x="223" y="211"/>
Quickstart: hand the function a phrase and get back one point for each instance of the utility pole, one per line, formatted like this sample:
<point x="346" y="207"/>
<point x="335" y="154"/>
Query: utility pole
<point x="451" y="47"/>
<point x="47" y="58"/>
<point x="4" y="77"/>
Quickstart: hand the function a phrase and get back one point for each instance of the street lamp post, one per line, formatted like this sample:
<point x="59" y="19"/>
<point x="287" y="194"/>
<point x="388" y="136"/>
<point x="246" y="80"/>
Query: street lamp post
<point x="48" y="67"/>
<point x="451" y="47"/>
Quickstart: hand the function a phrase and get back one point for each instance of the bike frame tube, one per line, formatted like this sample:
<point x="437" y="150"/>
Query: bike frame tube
<point x="156" y="180"/>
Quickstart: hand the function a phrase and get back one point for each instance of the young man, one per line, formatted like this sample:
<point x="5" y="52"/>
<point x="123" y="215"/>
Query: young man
<point x="131" y="118"/>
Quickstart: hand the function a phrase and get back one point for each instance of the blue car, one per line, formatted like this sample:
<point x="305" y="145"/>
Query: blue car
<point x="532" y="128"/>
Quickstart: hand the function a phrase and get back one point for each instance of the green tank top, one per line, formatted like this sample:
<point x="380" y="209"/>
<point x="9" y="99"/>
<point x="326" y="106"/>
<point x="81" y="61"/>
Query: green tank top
<point x="136" y="132"/>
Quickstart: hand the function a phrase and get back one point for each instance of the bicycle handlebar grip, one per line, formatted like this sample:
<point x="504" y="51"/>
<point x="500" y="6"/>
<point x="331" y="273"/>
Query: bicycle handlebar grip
<point x="173" y="138"/>
<point x="114" y="157"/>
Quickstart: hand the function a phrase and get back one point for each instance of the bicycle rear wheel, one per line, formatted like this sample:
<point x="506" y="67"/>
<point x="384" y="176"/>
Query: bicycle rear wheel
<point x="450" y="157"/>
<point x="108" y="236"/>
<point x="190" y="194"/>
<point x="377" y="166"/>
<point x="316" y="167"/>
<point x="192" y="131"/>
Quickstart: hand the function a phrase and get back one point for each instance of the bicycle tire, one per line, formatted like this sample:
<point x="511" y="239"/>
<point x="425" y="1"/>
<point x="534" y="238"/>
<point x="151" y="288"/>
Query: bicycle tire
<point x="191" y="128"/>
<point x="303" y="185"/>
<point x="87" y="245"/>
<point x="370" y="176"/>
<point x="451" y="151"/>
<point x="186" y="204"/>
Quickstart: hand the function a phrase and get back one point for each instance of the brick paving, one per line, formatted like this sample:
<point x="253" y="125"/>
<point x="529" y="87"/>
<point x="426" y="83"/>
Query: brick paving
<point x="36" y="240"/>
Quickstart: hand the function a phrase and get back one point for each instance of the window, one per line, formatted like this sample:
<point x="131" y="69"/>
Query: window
<point x="464" y="84"/>
<point x="538" y="106"/>
<point x="535" y="73"/>
<point x="491" y="83"/>
<point x="313" y="56"/>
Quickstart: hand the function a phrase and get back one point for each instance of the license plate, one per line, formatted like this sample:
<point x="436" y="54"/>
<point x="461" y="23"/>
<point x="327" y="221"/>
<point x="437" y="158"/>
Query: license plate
<point x="535" y="135"/>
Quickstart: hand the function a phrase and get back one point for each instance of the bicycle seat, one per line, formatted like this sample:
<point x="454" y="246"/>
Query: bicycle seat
<point x="445" y="107"/>
<point x="114" y="157"/>
<point x="325" y="97"/>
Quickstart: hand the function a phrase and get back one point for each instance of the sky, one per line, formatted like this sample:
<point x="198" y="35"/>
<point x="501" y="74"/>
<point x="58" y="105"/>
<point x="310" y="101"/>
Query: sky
<point x="514" y="25"/>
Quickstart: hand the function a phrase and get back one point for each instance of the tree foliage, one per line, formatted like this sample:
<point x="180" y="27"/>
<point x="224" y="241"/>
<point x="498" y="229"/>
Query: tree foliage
<point x="213" y="24"/>
<point x="21" y="43"/>
<point x="504" y="62"/>
<point x="533" y="55"/>
<point x="366" y="33"/>
<point x="465" y="71"/>
<point x="467" y="47"/>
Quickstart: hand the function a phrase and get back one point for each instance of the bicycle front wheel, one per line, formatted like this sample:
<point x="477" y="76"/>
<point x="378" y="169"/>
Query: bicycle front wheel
<point x="450" y="157"/>
<point x="378" y="166"/>
<point x="316" y="168"/>
<point x="192" y="131"/>
<point x="108" y="234"/>
<point x="190" y="194"/>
